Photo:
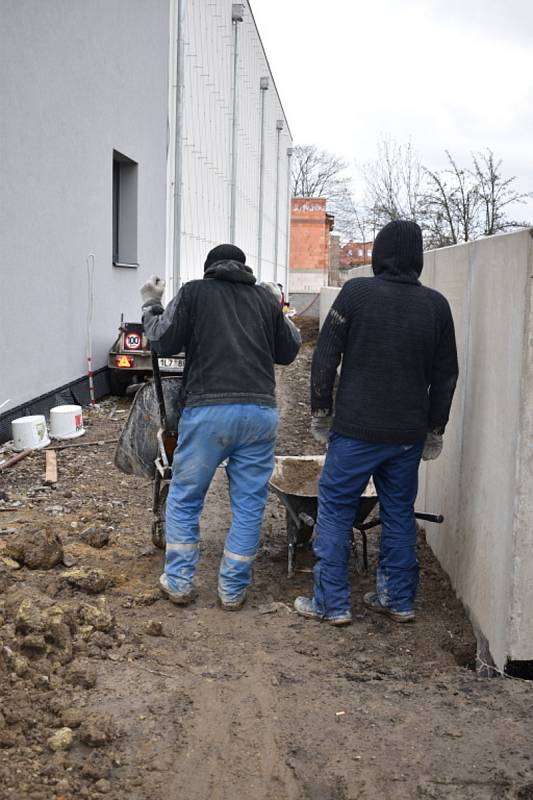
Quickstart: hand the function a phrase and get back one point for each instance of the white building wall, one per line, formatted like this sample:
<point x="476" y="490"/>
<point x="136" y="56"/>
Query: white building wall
<point x="77" y="81"/>
<point x="308" y="281"/>
<point x="208" y="110"/>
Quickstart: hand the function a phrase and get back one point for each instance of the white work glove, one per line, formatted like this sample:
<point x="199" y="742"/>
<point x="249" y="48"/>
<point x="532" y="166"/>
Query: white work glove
<point x="152" y="290"/>
<point x="321" y="426"/>
<point x="432" y="446"/>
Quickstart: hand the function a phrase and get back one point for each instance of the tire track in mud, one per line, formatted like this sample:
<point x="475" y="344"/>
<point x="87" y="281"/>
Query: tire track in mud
<point x="231" y="745"/>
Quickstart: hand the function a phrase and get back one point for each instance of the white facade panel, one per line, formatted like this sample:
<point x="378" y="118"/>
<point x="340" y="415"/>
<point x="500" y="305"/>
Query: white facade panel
<point x="207" y="143"/>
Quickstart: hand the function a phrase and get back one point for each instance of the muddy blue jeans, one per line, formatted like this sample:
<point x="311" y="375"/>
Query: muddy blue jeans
<point x="245" y="435"/>
<point x="349" y="465"/>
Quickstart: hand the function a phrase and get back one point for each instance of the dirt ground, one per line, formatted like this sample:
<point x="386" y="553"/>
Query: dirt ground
<point x="107" y="690"/>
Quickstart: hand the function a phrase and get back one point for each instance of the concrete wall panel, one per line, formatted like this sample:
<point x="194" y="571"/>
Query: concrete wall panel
<point x="490" y="433"/>
<point x="521" y="629"/>
<point x="447" y="271"/>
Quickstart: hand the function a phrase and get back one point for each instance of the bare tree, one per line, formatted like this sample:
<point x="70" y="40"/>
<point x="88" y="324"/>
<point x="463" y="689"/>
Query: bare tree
<point x="452" y="205"/>
<point x="394" y="183"/>
<point x="463" y="204"/>
<point x="317" y="173"/>
<point x="354" y="222"/>
<point x="496" y="194"/>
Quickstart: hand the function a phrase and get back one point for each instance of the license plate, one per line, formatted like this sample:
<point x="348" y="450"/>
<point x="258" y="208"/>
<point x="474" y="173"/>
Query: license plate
<point x="172" y="363"/>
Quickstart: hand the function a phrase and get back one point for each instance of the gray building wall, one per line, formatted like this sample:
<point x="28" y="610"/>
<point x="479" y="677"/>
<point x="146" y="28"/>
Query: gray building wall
<point x="77" y="80"/>
<point x="483" y="481"/>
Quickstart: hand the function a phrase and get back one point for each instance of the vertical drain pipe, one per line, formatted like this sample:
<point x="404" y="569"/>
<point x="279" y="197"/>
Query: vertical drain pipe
<point x="178" y="149"/>
<point x="288" y="215"/>
<point x="237" y="12"/>
<point x="263" y="86"/>
<point x="279" y="128"/>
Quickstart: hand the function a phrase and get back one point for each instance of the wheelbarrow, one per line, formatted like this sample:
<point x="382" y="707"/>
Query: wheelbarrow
<point x="148" y="440"/>
<point x="295" y="482"/>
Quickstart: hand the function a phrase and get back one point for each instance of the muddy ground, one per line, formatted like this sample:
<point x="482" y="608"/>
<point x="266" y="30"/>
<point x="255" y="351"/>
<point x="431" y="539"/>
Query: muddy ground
<point x="107" y="690"/>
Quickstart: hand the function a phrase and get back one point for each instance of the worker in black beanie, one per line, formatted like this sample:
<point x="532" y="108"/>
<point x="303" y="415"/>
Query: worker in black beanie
<point x="233" y="331"/>
<point x="224" y="252"/>
<point x="399" y="371"/>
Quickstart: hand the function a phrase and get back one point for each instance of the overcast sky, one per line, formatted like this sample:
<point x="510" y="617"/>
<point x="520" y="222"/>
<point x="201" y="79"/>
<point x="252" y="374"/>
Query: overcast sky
<point x="443" y="74"/>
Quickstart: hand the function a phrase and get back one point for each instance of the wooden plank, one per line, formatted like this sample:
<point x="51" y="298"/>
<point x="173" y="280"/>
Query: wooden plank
<point x="51" y="467"/>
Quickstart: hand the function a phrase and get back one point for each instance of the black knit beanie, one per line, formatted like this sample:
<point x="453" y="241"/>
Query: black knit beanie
<point x="224" y="252"/>
<point x="398" y="250"/>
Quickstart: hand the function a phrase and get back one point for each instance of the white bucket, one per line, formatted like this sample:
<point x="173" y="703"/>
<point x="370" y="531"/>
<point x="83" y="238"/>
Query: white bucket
<point x="66" y="422"/>
<point x="30" y="433"/>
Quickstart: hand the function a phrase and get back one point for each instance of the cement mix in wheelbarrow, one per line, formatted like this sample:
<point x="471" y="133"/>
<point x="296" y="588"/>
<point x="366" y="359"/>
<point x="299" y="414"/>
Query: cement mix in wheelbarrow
<point x="299" y="476"/>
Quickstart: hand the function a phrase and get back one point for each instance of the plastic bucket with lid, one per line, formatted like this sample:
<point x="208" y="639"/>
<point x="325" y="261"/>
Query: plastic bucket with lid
<point x="30" y="433"/>
<point x="66" y="422"/>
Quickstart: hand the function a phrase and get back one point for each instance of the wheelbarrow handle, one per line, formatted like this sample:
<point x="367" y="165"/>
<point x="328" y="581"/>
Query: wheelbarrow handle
<point x="437" y="518"/>
<point x="159" y="390"/>
<point x="373" y="522"/>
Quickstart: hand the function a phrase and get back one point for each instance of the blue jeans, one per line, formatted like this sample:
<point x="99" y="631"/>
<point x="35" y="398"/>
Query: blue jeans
<point x="246" y="436"/>
<point x="349" y="465"/>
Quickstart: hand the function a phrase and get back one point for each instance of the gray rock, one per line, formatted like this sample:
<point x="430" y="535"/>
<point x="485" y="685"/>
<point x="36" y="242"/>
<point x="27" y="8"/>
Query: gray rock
<point x="95" y="537"/>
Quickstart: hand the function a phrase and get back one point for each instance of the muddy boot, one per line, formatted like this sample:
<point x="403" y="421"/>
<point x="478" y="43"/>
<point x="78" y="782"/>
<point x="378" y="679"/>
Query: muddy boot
<point x="305" y="607"/>
<point x="371" y="601"/>
<point x="233" y="604"/>
<point x="179" y="598"/>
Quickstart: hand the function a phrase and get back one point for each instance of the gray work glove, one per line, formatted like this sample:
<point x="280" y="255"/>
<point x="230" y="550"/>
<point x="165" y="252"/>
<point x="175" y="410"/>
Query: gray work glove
<point x="152" y="290"/>
<point x="432" y="447"/>
<point x="321" y="426"/>
<point x="274" y="288"/>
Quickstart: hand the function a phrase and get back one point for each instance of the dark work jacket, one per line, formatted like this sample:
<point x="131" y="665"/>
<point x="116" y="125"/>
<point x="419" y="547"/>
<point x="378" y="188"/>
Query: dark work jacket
<point x="397" y="344"/>
<point x="232" y="330"/>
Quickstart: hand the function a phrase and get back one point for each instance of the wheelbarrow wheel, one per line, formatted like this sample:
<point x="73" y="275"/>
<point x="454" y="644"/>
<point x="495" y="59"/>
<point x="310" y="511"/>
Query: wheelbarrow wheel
<point x="158" y="533"/>
<point x="158" y="524"/>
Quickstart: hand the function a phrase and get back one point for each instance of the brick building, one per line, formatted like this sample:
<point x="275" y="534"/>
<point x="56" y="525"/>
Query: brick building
<point x="311" y="227"/>
<point x="356" y="254"/>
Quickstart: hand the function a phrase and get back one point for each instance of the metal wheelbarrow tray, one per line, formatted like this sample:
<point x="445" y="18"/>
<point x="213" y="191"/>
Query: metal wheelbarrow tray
<point x="295" y="482"/>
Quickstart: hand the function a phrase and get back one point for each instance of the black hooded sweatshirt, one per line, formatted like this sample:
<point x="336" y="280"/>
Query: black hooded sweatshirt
<point x="232" y="330"/>
<point x="397" y="343"/>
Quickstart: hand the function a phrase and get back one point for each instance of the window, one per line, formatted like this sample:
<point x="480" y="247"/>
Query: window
<point x="125" y="173"/>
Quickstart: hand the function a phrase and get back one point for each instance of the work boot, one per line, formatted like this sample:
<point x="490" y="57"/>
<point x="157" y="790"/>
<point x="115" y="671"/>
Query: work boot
<point x="372" y="602"/>
<point x="234" y="604"/>
<point x="305" y="607"/>
<point x="179" y="598"/>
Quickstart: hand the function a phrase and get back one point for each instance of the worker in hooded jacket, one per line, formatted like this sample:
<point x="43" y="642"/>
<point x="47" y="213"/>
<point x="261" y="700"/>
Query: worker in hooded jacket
<point x="399" y="370"/>
<point x="233" y="331"/>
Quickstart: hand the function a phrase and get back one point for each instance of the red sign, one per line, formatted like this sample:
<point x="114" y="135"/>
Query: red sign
<point x="132" y="341"/>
